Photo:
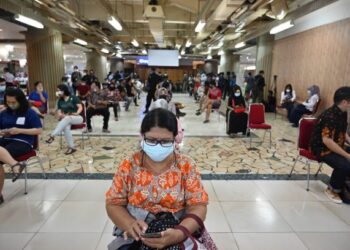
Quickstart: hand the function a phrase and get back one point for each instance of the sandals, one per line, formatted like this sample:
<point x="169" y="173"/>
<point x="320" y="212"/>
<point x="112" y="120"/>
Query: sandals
<point x="22" y="166"/>
<point x="50" y="140"/>
<point x="70" y="151"/>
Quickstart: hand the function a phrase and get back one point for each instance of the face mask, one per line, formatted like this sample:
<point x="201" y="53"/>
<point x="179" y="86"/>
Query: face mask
<point x="13" y="106"/>
<point x="287" y="90"/>
<point x="2" y="88"/>
<point x="157" y="153"/>
<point x="237" y="94"/>
<point x="59" y="93"/>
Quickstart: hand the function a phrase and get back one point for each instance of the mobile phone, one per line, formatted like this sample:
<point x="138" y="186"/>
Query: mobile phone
<point x="151" y="235"/>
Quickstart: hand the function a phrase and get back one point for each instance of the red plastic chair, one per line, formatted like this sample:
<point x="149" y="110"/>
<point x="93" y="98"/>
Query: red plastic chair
<point x="29" y="156"/>
<point x="256" y="120"/>
<point x="306" y="127"/>
<point x="80" y="126"/>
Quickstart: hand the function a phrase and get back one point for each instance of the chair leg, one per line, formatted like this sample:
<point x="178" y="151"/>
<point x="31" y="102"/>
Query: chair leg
<point x="319" y="169"/>
<point x="308" y="176"/>
<point x="25" y="180"/>
<point x="295" y="162"/>
<point x="61" y="140"/>
<point x="82" y="140"/>
<point x="250" y="139"/>
<point x="263" y="139"/>
<point x="270" y="138"/>
<point x="42" y="168"/>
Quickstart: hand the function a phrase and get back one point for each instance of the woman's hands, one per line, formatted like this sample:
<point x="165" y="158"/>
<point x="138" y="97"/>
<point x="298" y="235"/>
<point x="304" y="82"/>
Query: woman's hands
<point x="169" y="237"/>
<point x="135" y="230"/>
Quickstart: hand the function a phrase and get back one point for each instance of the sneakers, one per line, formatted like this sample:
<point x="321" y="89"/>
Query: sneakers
<point x="116" y="119"/>
<point x="105" y="130"/>
<point x="198" y="113"/>
<point x="333" y="196"/>
<point x="206" y="121"/>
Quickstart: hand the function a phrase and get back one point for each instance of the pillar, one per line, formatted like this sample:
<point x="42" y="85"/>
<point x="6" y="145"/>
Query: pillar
<point x="117" y="64"/>
<point x="45" y="59"/>
<point x="226" y="61"/>
<point x="211" y="66"/>
<point x="264" y="59"/>
<point x="98" y="63"/>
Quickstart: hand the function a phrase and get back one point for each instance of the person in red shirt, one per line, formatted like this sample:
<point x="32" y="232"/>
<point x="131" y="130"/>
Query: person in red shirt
<point x="213" y="101"/>
<point x="83" y="90"/>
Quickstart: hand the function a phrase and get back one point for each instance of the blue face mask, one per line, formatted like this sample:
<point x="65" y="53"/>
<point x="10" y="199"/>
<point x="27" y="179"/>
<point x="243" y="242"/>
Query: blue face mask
<point x="157" y="153"/>
<point x="2" y="88"/>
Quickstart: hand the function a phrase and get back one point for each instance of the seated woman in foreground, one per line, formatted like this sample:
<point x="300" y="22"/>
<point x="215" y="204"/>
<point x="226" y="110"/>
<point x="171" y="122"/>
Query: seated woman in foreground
<point x="156" y="191"/>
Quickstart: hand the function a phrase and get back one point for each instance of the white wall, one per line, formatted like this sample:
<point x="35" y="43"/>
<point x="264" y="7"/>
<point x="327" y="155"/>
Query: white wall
<point x="332" y="13"/>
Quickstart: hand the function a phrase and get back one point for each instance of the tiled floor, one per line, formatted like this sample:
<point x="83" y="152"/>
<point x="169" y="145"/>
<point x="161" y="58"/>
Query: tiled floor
<point x="271" y="215"/>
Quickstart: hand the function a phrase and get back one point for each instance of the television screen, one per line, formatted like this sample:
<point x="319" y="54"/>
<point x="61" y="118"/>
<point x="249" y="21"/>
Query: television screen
<point x="168" y="58"/>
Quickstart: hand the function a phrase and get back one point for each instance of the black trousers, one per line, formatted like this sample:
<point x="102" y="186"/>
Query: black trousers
<point x="341" y="169"/>
<point x="150" y="96"/>
<point x="14" y="147"/>
<point x="90" y="112"/>
<point x="289" y="107"/>
<point x="115" y="108"/>
<point x="297" y="113"/>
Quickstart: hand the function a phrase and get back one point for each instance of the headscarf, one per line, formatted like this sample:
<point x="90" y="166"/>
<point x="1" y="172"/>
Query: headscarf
<point x="314" y="90"/>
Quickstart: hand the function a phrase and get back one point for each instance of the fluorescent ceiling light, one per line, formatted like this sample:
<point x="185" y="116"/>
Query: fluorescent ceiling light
<point x="221" y="52"/>
<point x="240" y="45"/>
<point x="188" y="43"/>
<point x="200" y="26"/>
<point x="81" y="42"/>
<point x="115" y="23"/>
<point x="182" y="52"/>
<point x="106" y="41"/>
<point x="144" y="51"/>
<point x="105" y="50"/>
<point x="281" y="15"/>
<point x="240" y="27"/>
<point x="29" y="21"/>
<point x="281" y="27"/>
<point x="39" y="2"/>
<point x="135" y="43"/>
<point x="119" y="55"/>
<point x="209" y="57"/>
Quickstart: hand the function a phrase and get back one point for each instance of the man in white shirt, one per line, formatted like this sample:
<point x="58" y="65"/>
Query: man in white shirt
<point x="8" y="76"/>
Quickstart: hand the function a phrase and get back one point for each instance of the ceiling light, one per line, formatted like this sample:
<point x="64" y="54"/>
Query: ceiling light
<point x="115" y="23"/>
<point x="281" y="27"/>
<point x="0" y="30"/>
<point x="182" y="52"/>
<point x="135" y="43"/>
<point x="221" y="52"/>
<point x="106" y="41"/>
<point x="188" y="43"/>
<point x="209" y="57"/>
<point x="39" y="2"/>
<point x="29" y="21"/>
<point x="240" y="27"/>
<point x="179" y="56"/>
<point x="119" y="55"/>
<point x="200" y="26"/>
<point x="81" y="42"/>
<point x="240" y="45"/>
<point x="144" y="51"/>
<point x="104" y="50"/>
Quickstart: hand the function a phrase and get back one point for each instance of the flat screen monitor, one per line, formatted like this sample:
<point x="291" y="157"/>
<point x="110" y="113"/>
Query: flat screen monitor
<point x="166" y="58"/>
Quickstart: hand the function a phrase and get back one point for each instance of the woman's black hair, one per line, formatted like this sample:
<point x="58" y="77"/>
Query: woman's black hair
<point x="64" y="88"/>
<point x="20" y="98"/>
<point x="288" y="86"/>
<point x="161" y="118"/>
<point x="37" y="83"/>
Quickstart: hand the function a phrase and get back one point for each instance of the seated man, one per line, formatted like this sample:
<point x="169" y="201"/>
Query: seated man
<point x="213" y="101"/>
<point x="113" y="97"/>
<point x="97" y="104"/>
<point x="328" y="142"/>
<point x="83" y="90"/>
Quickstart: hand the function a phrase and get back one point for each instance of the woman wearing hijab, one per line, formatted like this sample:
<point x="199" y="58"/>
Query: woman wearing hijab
<point x="306" y="107"/>
<point x="236" y="117"/>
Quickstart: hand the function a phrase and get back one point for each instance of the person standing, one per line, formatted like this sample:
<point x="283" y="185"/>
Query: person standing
<point x="8" y="76"/>
<point x="328" y="142"/>
<point x="258" y="93"/>
<point x="153" y="80"/>
<point x="75" y="78"/>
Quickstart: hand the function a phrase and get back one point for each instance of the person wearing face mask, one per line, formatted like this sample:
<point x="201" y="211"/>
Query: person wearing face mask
<point x="212" y="102"/>
<point x="2" y="93"/>
<point x="75" y="78"/>
<point x="287" y="99"/>
<point x="83" y="90"/>
<point x="155" y="183"/>
<point x="306" y="107"/>
<point x="236" y="117"/>
<point x="97" y="104"/>
<point x="68" y="113"/>
<point x="19" y="125"/>
<point x="38" y="98"/>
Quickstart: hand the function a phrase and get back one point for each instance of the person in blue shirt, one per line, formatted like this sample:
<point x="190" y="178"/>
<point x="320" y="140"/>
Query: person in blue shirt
<point x="38" y="98"/>
<point x="19" y="127"/>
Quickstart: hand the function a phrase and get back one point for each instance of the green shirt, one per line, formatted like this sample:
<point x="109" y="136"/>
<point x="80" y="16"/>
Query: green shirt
<point x="70" y="106"/>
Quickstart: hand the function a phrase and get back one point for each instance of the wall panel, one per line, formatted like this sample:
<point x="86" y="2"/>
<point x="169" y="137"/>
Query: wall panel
<point x="319" y="56"/>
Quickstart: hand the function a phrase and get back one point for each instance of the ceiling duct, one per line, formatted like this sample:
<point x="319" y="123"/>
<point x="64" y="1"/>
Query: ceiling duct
<point x="155" y="16"/>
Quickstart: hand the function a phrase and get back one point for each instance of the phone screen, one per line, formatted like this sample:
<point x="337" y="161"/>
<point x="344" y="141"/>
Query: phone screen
<point x="151" y="235"/>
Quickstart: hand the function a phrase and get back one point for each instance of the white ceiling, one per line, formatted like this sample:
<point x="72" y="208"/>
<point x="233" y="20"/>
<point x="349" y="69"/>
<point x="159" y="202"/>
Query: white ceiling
<point x="11" y="30"/>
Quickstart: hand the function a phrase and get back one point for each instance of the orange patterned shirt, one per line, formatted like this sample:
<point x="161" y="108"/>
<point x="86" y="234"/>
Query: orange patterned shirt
<point x="178" y="187"/>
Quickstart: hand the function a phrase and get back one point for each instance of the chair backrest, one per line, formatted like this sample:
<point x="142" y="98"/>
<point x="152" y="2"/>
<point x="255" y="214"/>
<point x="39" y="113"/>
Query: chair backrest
<point x="306" y="127"/>
<point x="256" y="113"/>
<point x="317" y="105"/>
